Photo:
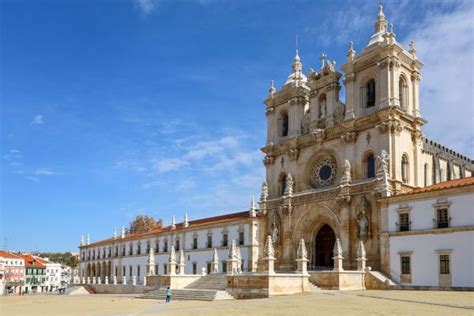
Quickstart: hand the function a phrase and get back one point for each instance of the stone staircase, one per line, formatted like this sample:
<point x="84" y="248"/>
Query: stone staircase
<point x="189" y="294"/>
<point x="383" y="280"/>
<point x="211" y="287"/>
<point x="313" y="287"/>
<point x="216" y="281"/>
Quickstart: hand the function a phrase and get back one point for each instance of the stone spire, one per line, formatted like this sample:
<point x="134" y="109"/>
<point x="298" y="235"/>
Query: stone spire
<point x="232" y="263"/>
<point x="115" y="233"/>
<point x="271" y="90"/>
<point x="215" y="262"/>
<point x="182" y="262"/>
<point x="264" y="192"/>
<point x="215" y="257"/>
<point x="232" y="250"/>
<point x="88" y="241"/>
<point x="302" y="253"/>
<point x="289" y="186"/>
<point x="186" y="220"/>
<point x="296" y="77"/>
<point x="122" y="234"/>
<point x="337" y="252"/>
<point x="351" y="52"/>
<point x="172" y="257"/>
<point x="252" y="211"/>
<point x="173" y="222"/>
<point x="82" y="240"/>
<point x="239" y="260"/>
<point x="380" y="27"/>
<point x="151" y="262"/>
<point x="361" y="256"/>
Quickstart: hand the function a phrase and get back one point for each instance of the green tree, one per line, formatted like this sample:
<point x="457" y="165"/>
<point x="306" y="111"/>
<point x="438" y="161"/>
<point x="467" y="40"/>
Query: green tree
<point x="144" y="223"/>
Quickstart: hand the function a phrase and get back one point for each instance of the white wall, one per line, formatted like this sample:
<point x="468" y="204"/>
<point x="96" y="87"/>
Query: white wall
<point x="424" y="259"/>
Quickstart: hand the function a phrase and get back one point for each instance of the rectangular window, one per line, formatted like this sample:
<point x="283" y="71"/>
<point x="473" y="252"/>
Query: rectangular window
<point x="195" y="243"/>
<point x="209" y="241"/>
<point x="165" y="247"/>
<point x="225" y="240"/>
<point x="177" y="245"/>
<point x="442" y="218"/>
<point x="147" y="248"/>
<point x="165" y="268"/>
<point x="241" y="238"/>
<point x="194" y="268"/>
<point x="138" y="271"/>
<point x="139" y="249"/>
<point x="157" y="247"/>
<point x="405" y="260"/>
<point x="444" y="264"/>
<point x="130" y="271"/>
<point x="124" y="270"/>
<point x="130" y="250"/>
<point x="404" y="221"/>
<point x="224" y="266"/>
<point x="156" y="269"/>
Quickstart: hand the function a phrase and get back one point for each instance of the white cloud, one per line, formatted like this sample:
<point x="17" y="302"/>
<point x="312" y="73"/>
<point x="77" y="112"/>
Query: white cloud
<point x="44" y="172"/>
<point x="168" y="164"/>
<point x="445" y="44"/>
<point x="146" y="6"/>
<point x="38" y="120"/>
<point x="34" y="179"/>
<point x="130" y="164"/>
<point x="13" y="154"/>
<point x="185" y="185"/>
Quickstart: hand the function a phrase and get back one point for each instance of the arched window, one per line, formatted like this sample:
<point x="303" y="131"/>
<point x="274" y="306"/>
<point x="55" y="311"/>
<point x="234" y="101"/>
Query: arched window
<point x="370" y="93"/>
<point x="370" y="166"/>
<point x="405" y="168"/>
<point x="403" y="92"/>
<point x="283" y="122"/>
<point x="282" y="184"/>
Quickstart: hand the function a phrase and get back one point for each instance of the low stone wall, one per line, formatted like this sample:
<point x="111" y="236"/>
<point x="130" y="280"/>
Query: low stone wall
<point x="259" y="285"/>
<point x="118" y="288"/>
<point x="338" y="280"/>
<point x="173" y="281"/>
<point x="373" y="283"/>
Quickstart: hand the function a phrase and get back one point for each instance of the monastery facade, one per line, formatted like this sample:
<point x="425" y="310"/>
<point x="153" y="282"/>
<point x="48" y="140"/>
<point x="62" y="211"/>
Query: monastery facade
<point x="332" y="169"/>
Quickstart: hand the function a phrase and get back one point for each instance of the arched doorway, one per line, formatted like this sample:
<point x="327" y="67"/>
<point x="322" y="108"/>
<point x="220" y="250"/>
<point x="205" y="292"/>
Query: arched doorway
<point x="324" y="243"/>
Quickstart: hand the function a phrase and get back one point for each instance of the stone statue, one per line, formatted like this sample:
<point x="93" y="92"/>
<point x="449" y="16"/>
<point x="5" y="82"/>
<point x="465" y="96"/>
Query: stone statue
<point x="382" y="164"/>
<point x="275" y="233"/>
<point x="363" y="225"/>
<point x="346" y="176"/>
<point x="322" y="108"/>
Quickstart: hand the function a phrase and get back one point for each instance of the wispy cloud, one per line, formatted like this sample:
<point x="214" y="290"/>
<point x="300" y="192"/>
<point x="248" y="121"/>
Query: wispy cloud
<point x="38" y="120"/>
<point x="168" y="164"/>
<point x="44" y="172"/>
<point x="13" y="154"/>
<point x="145" y="6"/>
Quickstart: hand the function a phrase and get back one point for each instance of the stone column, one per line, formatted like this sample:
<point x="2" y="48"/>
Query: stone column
<point x="338" y="256"/>
<point x="182" y="261"/>
<point x="144" y="281"/>
<point x="115" y="280"/>
<point x="269" y="258"/>
<point x="361" y="256"/>
<point x="302" y="258"/>
<point x="88" y="280"/>
<point x="215" y="262"/>
<point x="124" y="282"/>
<point x="232" y="261"/>
<point x="106" y="279"/>
<point x="172" y="262"/>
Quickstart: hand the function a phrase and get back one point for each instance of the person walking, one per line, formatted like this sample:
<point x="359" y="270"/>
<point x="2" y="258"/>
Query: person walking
<point x="168" y="295"/>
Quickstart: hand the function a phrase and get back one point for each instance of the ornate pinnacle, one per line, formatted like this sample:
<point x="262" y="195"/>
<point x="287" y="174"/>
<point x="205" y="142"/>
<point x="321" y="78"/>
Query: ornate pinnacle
<point x="337" y="251"/>
<point x="215" y="257"/>
<point x="115" y="233"/>
<point x="172" y="257"/>
<point x="232" y="250"/>
<point x="361" y="254"/>
<point x="82" y="240"/>
<point x="181" y="258"/>
<point x="88" y="240"/>
<point x="289" y="186"/>
<point x="186" y="221"/>
<point x="351" y="52"/>
<point x="173" y="222"/>
<point x="151" y="257"/>
<point x="122" y="233"/>
<point x="272" y="89"/>
<point x="269" y="251"/>
<point x="252" y="211"/>
<point x="264" y="192"/>
<point x="302" y="253"/>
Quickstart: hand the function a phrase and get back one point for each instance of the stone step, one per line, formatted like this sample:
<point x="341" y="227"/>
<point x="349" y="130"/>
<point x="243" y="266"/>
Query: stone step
<point x="210" y="281"/>
<point x="188" y="294"/>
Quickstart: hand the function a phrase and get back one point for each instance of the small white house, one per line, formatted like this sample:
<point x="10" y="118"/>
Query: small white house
<point x="53" y="276"/>
<point x="429" y="235"/>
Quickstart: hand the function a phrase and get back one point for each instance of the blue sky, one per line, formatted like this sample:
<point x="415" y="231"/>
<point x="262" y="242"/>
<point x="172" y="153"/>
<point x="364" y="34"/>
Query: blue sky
<point x="111" y="109"/>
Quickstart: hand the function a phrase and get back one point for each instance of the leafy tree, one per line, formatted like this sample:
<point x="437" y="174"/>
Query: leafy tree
<point x="65" y="258"/>
<point x="143" y="224"/>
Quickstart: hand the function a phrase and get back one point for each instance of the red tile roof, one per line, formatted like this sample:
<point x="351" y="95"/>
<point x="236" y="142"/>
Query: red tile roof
<point x="6" y="254"/>
<point x="34" y="261"/>
<point x="457" y="183"/>
<point x="192" y="224"/>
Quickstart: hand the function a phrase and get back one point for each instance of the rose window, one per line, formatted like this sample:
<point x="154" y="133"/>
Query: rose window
<point x="323" y="172"/>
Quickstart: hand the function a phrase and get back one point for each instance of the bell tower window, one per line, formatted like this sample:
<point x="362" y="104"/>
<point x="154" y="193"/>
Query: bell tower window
<point x="283" y="122"/>
<point x="370" y="166"/>
<point x="405" y="168"/>
<point x="370" y="93"/>
<point x="282" y="184"/>
<point x="403" y="92"/>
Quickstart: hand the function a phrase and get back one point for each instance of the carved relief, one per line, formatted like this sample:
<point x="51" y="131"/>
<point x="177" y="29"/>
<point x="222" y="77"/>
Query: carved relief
<point x="267" y="161"/>
<point x="349" y="137"/>
<point x="363" y="209"/>
<point x="293" y="154"/>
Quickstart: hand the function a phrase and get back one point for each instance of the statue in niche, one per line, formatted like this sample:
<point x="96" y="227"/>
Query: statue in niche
<point x="362" y="210"/>
<point x="275" y="228"/>
<point x="322" y="107"/>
